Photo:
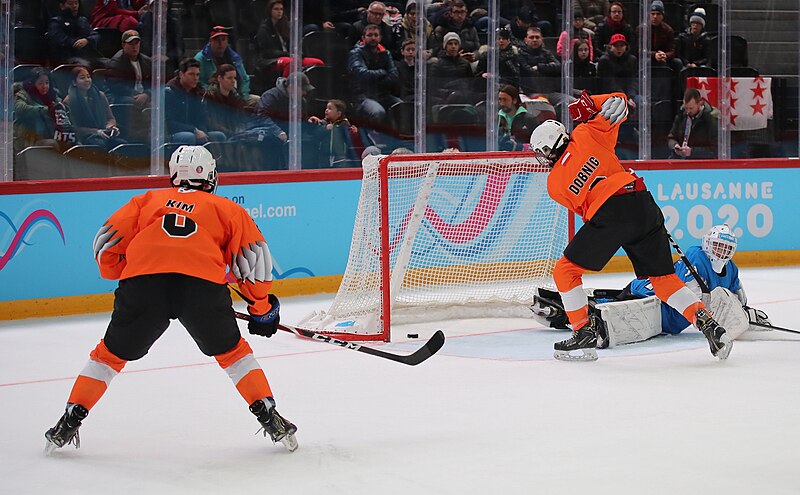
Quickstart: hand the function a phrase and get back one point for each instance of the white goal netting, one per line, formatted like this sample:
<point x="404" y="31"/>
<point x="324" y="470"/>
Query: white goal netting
<point x="445" y="236"/>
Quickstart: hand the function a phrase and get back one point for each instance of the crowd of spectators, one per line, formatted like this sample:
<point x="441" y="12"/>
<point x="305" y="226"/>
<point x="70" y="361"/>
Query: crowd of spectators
<point x="236" y="87"/>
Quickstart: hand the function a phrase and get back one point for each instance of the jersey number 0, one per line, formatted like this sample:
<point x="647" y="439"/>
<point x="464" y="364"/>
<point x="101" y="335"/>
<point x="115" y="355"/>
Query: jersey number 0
<point x="178" y="225"/>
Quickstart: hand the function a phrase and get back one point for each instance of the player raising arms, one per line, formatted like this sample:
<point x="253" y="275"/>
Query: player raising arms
<point x="169" y="249"/>
<point x="587" y="178"/>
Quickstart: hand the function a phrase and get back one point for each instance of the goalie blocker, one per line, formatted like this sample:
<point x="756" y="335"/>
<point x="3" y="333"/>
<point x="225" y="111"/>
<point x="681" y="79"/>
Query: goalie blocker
<point x="636" y="320"/>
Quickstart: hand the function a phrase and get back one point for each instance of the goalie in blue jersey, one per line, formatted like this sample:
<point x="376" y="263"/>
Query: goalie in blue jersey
<point x="634" y="313"/>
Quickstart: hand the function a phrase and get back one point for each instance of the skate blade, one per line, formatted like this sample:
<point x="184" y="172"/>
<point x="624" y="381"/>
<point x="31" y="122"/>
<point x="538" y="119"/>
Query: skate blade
<point x="723" y="353"/>
<point x="49" y="447"/>
<point x="290" y="442"/>
<point x="587" y="355"/>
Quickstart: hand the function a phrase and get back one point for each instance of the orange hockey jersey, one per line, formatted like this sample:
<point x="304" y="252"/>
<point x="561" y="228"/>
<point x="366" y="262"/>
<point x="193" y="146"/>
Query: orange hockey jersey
<point x="589" y="172"/>
<point x="186" y="231"/>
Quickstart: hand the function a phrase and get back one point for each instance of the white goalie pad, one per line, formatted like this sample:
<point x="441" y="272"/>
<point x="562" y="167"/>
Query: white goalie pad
<point x="635" y="320"/>
<point x="728" y="312"/>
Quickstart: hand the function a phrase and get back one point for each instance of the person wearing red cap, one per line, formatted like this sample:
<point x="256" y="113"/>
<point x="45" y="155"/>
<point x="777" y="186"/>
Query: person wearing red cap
<point x="108" y="14"/>
<point x="218" y="52"/>
<point x="615" y="23"/>
<point x="618" y="69"/>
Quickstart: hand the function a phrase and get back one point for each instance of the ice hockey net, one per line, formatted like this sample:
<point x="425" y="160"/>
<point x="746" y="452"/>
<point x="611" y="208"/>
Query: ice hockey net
<point x="442" y="236"/>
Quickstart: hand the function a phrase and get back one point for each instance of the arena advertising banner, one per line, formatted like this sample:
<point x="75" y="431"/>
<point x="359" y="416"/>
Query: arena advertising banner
<point x="758" y="204"/>
<point x="46" y="239"/>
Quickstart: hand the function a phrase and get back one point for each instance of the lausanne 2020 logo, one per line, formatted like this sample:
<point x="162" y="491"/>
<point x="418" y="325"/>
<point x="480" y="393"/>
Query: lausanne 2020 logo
<point x="23" y="233"/>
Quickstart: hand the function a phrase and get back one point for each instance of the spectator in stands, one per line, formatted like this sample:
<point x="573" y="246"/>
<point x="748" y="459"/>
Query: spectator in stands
<point x="515" y="123"/>
<point x="578" y="32"/>
<point x="511" y="66"/>
<point x="375" y="13"/>
<point x="618" y="70"/>
<point x="272" y="41"/>
<point x="615" y="23"/>
<point x="334" y="137"/>
<point x="225" y="106"/>
<point x="593" y="10"/>
<point x="694" y="130"/>
<point x="451" y="76"/>
<point x="108" y="14"/>
<point x="540" y="62"/>
<point x="662" y="39"/>
<point x="35" y="104"/>
<point x="274" y="102"/>
<point x="331" y="15"/>
<point x="406" y="69"/>
<point x="584" y="71"/>
<point x="90" y="112"/>
<point x="374" y="77"/>
<point x="217" y="52"/>
<point x="523" y="17"/>
<point x="70" y="36"/>
<point x="130" y="73"/>
<point x="694" y="45"/>
<point x="173" y="34"/>
<point x="186" y="118"/>
<point x="455" y="21"/>
<point x="408" y="28"/>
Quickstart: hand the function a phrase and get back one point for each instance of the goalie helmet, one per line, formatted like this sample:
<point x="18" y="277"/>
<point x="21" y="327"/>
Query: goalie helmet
<point x="546" y="141"/>
<point x="193" y="167"/>
<point x="719" y="244"/>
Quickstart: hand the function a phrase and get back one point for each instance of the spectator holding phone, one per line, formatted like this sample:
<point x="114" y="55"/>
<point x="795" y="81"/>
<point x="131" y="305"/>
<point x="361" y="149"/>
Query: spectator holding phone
<point x="90" y="112"/>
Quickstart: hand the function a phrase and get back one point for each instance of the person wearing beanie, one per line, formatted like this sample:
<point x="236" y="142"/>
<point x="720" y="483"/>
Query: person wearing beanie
<point x="694" y="46"/>
<point x="453" y="73"/>
<point x="662" y="39"/>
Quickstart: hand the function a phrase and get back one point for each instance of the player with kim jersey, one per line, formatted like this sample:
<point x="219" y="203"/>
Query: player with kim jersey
<point x="587" y="178"/>
<point x="171" y="250"/>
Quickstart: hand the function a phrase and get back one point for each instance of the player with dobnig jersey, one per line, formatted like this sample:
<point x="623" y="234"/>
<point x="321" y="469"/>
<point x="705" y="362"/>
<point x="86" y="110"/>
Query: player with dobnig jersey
<point x="170" y="250"/>
<point x="635" y="313"/>
<point x="618" y="212"/>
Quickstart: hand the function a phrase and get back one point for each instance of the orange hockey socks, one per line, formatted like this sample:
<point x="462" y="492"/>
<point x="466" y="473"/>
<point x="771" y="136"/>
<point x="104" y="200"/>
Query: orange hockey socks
<point x="96" y="376"/>
<point x="245" y="372"/>
<point x="570" y="285"/>
<point x="671" y="290"/>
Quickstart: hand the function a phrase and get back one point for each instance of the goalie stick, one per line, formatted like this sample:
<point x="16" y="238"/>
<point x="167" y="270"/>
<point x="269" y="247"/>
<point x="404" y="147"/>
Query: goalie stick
<point x="429" y="349"/>
<point x="704" y="286"/>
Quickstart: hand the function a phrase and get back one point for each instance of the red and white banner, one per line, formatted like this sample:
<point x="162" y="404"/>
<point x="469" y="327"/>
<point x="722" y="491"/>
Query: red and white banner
<point x="749" y="102"/>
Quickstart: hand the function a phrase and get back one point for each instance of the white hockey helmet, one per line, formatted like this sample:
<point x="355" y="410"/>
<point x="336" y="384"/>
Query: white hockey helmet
<point x="193" y="167"/>
<point x="719" y="244"/>
<point x="546" y="139"/>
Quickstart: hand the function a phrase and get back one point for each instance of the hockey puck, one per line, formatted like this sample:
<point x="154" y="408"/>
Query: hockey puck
<point x="413" y="335"/>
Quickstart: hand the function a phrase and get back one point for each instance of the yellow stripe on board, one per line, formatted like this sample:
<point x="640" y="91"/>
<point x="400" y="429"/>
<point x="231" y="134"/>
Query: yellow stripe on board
<point x="98" y="303"/>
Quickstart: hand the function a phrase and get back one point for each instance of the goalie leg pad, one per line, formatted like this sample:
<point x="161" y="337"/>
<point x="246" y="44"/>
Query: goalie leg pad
<point x="634" y="320"/>
<point x="726" y="309"/>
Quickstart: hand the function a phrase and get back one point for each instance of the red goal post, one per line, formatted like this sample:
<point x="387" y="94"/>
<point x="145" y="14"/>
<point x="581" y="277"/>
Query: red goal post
<point x="443" y="236"/>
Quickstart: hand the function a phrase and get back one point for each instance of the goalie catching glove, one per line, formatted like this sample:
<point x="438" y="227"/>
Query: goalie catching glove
<point x="614" y="109"/>
<point x="267" y="324"/>
<point x="583" y="108"/>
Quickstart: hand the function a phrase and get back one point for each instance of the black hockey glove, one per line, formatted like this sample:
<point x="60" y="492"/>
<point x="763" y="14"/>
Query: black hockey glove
<point x="266" y="325"/>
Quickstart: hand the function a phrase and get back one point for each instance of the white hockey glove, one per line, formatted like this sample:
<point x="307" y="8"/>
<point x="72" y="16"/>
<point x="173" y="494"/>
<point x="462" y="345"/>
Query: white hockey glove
<point x="757" y="316"/>
<point x="614" y="109"/>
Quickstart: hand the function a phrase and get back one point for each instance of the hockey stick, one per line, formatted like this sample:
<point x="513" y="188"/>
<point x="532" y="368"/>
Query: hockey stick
<point x="429" y="349"/>
<point x="704" y="286"/>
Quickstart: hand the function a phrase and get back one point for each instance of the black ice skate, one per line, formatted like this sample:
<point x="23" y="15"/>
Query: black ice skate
<point x="718" y="340"/>
<point x="66" y="430"/>
<point x="278" y="428"/>
<point x="584" y="339"/>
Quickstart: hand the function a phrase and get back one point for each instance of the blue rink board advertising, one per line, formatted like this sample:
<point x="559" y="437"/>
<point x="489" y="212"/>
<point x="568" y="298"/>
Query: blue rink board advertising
<point x="758" y="204"/>
<point x="46" y="239"/>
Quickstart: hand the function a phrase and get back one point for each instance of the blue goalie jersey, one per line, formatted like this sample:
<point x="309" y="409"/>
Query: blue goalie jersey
<point x="671" y="320"/>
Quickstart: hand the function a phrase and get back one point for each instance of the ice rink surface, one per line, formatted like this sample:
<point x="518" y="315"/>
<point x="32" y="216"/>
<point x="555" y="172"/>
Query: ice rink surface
<point x="492" y="413"/>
